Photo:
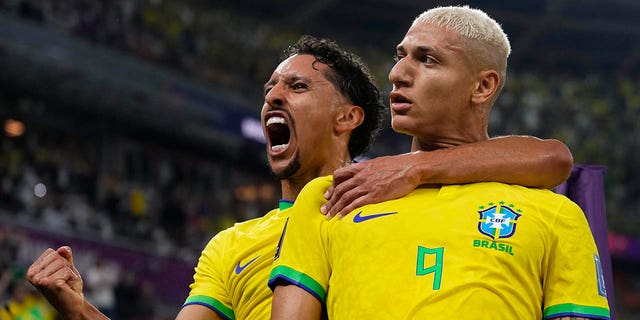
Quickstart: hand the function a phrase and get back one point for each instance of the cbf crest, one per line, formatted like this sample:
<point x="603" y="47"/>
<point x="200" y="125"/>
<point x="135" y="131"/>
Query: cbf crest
<point x="498" y="221"/>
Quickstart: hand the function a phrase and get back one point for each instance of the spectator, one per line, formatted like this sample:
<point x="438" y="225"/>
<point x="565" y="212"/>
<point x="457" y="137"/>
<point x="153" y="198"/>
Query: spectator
<point x="101" y="280"/>
<point x="25" y="303"/>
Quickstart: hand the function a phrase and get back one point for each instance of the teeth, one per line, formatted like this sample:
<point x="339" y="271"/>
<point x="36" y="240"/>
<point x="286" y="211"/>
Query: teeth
<point x="273" y="120"/>
<point x="279" y="147"/>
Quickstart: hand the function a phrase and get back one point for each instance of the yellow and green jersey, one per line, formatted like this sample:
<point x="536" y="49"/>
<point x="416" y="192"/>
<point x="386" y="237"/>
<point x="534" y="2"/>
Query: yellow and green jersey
<point x="476" y="251"/>
<point x="233" y="269"/>
<point x="30" y="307"/>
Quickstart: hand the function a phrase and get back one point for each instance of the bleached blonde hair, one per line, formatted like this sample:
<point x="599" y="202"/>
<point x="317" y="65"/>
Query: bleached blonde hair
<point x="484" y="40"/>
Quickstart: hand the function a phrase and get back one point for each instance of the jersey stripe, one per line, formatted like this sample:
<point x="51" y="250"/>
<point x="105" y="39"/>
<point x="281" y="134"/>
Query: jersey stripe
<point x="212" y="304"/>
<point x="299" y="279"/>
<point x="569" y="309"/>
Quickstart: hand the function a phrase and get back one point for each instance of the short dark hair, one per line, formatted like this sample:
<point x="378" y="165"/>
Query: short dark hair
<point x="353" y="79"/>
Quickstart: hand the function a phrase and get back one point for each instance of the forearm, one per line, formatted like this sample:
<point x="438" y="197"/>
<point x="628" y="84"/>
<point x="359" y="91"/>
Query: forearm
<point x="522" y="160"/>
<point x="88" y="312"/>
<point x="197" y="312"/>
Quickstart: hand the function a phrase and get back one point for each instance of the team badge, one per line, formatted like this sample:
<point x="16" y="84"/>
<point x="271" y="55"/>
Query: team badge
<point x="498" y="221"/>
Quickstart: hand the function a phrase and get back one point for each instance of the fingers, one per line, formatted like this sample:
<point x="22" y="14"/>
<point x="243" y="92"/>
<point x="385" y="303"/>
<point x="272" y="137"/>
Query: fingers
<point x="362" y="201"/>
<point x="52" y="271"/>
<point x="345" y="173"/>
<point x="65" y="252"/>
<point x="74" y="280"/>
<point x="38" y="265"/>
<point x="331" y="194"/>
<point x="344" y="190"/>
<point x="328" y="194"/>
<point x="344" y="200"/>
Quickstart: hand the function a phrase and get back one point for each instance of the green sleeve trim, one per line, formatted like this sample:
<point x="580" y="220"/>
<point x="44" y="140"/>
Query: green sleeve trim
<point x="286" y="274"/>
<point x="570" y="309"/>
<point x="213" y="304"/>
<point x="285" y="204"/>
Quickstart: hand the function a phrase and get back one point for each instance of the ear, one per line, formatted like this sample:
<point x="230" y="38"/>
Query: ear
<point x="486" y="87"/>
<point x="348" y="118"/>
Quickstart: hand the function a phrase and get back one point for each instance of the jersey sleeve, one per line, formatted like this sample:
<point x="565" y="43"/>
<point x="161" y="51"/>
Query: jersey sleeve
<point x="208" y="288"/>
<point x="574" y="281"/>
<point x="301" y="258"/>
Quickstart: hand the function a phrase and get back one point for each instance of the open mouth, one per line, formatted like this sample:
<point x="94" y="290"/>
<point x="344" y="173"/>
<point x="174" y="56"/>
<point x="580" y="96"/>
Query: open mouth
<point x="398" y="98"/>
<point x="399" y="103"/>
<point x="278" y="133"/>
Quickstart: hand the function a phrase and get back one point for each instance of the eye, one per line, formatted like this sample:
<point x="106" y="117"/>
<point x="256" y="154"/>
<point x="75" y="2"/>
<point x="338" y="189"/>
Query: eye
<point x="267" y="89"/>
<point x="397" y="57"/>
<point x="428" y="59"/>
<point x="299" y="86"/>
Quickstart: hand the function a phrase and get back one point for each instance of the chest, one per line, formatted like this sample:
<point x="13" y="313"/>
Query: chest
<point x="408" y="236"/>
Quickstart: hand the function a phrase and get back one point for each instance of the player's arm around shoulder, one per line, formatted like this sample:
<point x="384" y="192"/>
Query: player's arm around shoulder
<point x="522" y="160"/>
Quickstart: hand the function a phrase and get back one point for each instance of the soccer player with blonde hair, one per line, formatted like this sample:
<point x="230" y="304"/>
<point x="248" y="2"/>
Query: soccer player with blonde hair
<point x="475" y="251"/>
<point x="320" y="109"/>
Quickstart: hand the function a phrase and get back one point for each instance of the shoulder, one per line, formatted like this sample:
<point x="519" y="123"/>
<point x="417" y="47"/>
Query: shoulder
<point x="241" y="229"/>
<point x="227" y="237"/>
<point x="307" y="204"/>
<point x="314" y="190"/>
<point x="542" y="194"/>
<point x="542" y="200"/>
<point x="320" y="183"/>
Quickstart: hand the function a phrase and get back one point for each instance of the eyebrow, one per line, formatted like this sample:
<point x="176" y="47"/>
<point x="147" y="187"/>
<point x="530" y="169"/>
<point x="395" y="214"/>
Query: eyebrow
<point x="425" y="49"/>
<point x="419" y="49"/>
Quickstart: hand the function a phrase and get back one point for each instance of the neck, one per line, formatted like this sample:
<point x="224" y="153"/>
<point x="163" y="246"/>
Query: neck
<point x="463" y="130"/>
<point x="292" y="186"/>
<point x="435" y="143"/>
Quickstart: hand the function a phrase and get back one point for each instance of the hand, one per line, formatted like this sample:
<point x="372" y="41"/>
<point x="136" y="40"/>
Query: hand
<point x="372" y="181"/>
<point x="55" y="276"/>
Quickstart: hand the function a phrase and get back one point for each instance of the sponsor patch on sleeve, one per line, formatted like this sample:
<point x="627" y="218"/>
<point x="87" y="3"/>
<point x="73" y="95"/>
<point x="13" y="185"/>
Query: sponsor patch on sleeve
<point x="602" y="289"/>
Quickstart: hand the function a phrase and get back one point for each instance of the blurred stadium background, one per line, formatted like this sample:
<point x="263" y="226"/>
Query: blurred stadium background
<point x="131" y="127"/>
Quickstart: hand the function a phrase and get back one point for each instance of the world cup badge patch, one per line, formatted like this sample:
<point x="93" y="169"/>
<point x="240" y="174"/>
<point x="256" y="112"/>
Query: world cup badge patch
<point x="602" y="288"/>
<point x="498" y="221"/>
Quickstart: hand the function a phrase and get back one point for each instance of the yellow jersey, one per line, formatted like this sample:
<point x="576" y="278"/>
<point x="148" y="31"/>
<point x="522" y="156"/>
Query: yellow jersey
<point x="31" y="307"/>
<point x="233" y="269"/>
<point x="475" y="251"/>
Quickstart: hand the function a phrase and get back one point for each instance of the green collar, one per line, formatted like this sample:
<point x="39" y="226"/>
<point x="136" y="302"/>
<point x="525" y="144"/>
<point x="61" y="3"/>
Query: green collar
<point x="285" y="204"/>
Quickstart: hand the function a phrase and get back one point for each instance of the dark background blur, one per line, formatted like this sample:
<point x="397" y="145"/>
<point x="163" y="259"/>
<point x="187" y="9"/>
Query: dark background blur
<point x="131" y="127"/>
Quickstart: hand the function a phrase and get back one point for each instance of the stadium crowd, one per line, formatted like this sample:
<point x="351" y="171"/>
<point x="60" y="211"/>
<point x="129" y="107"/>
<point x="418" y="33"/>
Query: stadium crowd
<point x="196" y="38"/>
<point x="122" y="190"/>
<point x="143" y="196"/>
<point x="171" y="202"/>
<point x="187" y="36"/>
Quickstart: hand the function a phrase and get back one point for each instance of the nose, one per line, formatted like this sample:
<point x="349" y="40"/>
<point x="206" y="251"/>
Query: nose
<point x="275" y="96"/>
<point x="401" y="75"/>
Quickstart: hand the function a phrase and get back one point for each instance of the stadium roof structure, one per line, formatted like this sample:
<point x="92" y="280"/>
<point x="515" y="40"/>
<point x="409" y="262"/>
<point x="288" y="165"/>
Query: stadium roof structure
<point x="562" y="35"/>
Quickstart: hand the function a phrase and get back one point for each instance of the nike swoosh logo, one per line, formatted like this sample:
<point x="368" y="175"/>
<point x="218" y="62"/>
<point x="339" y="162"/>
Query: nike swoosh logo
<point x="239" y="267"/>
<point x="359" y="218"/>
